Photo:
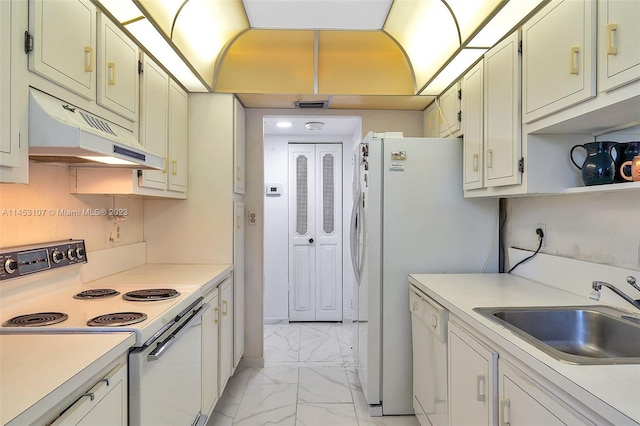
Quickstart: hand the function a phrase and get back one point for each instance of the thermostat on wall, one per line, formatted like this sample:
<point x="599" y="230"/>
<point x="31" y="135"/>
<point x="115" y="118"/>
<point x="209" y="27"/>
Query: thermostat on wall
<point x="273" y="189"/>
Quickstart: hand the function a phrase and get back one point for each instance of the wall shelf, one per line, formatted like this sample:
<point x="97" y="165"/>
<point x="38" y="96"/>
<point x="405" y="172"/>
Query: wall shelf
<point x="615" y="187"/>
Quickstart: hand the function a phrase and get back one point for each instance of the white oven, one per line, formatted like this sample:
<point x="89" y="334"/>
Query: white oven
<point x="42" y="293"/>
<point x="165" y="380"/>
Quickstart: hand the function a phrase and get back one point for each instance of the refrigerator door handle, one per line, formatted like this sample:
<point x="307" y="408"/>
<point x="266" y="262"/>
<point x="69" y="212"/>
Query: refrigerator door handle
<point x="354" y="235"/>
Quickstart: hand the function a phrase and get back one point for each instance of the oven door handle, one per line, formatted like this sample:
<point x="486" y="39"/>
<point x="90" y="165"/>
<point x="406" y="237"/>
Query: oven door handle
<point x="162" y="347"/>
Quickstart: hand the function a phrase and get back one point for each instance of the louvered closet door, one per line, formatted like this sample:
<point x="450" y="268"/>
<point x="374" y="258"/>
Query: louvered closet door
<point x="315" y="232"/>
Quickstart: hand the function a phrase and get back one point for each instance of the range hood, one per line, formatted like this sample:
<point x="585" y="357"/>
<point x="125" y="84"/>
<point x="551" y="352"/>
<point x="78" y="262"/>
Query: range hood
<point x="61" y="132"/>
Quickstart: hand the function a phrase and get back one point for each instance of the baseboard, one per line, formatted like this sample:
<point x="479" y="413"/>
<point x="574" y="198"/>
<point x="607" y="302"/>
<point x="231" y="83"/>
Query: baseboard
<point x="272" y="321"/>
<point x="251" y="363"/>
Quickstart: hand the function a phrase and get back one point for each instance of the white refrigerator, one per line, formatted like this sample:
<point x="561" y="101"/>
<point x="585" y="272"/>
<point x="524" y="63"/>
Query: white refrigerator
<point x="409" y="216"/>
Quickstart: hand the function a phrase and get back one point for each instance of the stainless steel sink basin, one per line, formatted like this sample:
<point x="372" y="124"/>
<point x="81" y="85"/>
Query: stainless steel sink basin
<point x="575" y="334"/>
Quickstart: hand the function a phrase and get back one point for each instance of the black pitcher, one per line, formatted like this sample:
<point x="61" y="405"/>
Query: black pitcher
<point x="598" y="167"/>
<point x="625" y="152"/>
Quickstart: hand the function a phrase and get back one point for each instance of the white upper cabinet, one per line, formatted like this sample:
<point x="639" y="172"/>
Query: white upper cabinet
<point x="559" y="57"/>
<point x="502" y="118"/>
<point x="473" y="128"/>
<point x="177" y="137"/>
<point x="238" y="147"/>
<point x="430" y="127"/>
<point x="492" y="146"/>
<point x="64" y="43"/>
<point x="618" y="43"/>
<point x="14" y="157"/>
<point x="154" y="120"/>
<point x="118" y="79"/>
<point x="9" y="140"/>
<point x="450" y="115"/>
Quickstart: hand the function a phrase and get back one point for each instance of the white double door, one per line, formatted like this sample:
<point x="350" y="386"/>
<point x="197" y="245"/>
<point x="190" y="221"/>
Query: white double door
<point x="315" y="232"/>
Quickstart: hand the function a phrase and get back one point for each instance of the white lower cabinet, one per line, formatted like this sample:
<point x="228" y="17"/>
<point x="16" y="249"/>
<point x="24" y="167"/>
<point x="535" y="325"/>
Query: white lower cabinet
<point x="523" y="402"/>
<point x="105" y="403"/>
<point x="226" y="333"/>
<point x="472" y="379"/>
<point x="488" y="386"/>
<point x="210" y="348"/>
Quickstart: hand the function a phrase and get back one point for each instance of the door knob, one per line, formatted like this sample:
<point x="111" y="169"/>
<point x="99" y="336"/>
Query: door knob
<point x="310" y="240"/>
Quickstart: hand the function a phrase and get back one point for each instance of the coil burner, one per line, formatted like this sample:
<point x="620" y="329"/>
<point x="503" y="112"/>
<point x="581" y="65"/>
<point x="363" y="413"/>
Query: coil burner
<point x="40" y="319"/>
<point x="117" y="319"/>
<point x="98" y="293"/>
<point x="150" y="295"/>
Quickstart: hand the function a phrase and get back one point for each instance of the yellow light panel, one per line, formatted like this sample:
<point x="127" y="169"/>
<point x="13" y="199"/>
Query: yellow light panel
<point x="268" y="61"/>
<point x="362" y="62"/>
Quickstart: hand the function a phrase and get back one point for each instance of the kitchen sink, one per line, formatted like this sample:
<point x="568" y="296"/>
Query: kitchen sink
<point x="575" y="334"/>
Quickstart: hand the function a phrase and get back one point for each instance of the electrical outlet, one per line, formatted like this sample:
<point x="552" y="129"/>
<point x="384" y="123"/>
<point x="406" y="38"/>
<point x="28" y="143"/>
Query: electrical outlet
<point x="544" y="232"/>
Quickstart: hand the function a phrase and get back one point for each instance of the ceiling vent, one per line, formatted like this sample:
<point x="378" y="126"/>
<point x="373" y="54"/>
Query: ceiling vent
<point x="312" y="104"/>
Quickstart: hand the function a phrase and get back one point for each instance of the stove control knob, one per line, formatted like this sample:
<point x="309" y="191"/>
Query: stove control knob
<point x="57" y="256"/>
<point x="10" y="266"/>
<point x="80" y="252"/>
<point x="71" y="254"/>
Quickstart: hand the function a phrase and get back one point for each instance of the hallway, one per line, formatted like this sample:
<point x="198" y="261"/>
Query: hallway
<point x="309" y="378"/>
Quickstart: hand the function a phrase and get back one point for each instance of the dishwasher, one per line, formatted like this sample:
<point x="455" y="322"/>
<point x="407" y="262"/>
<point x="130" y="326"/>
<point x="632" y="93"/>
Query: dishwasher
<point x="429" y="341"/>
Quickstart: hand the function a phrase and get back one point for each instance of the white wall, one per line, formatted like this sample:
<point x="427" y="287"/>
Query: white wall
<point x="276" y="221"/>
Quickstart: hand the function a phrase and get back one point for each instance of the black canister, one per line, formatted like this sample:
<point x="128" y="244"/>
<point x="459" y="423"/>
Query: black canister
<point x="625" y="152"/>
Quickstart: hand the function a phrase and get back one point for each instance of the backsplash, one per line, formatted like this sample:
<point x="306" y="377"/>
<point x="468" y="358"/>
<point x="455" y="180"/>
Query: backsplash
<point x="44" y="211"/>
<point x="601" y="228"/>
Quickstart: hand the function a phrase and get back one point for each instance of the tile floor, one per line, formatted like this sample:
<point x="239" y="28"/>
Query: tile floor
<point x="308" y="379"/>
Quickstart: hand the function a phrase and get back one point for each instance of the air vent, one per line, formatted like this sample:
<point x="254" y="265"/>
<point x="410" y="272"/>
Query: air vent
<point x="96" y="123"/>
<point x="312" y="104"/>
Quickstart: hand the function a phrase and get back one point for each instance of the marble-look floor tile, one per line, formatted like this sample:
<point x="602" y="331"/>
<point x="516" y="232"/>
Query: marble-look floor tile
<point x="275" y="374"/>
<point x="235" y="386"/>
<point x="326" y="414"/>
<point x="281" y="343"/>
<point x="324" y="348"/>
<point x="267" y="405"/>
<point x="323" y="385"/>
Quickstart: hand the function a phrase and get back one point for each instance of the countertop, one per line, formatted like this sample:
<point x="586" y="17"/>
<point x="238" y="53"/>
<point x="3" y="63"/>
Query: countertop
<point x="612" y="391"/>
<point x="206" y="276"/>
<point x="39" y="370"/>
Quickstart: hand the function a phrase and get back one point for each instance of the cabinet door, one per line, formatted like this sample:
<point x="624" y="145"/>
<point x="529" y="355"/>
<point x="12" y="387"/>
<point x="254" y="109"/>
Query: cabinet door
<point x="118" y="78"/>
<point x="449" y="119"/>
<point x="210" y="336"/>
<point x="618" y="43"/>
<point x="226" y="333"/>
<point x="559" y="57"/>
<point x="9" y="136"/>
<point x="238" y="147"/>
<point x="105" y="404"/>
<point x="523" y="402"/>
<point x="502" y="121"/>
<point x="472" y="379"/>
<point x="154" y="116"/>
<point x="177" y="138"/>
<point x="430" y="122"/>
<point x="473" y="128"/>
<point x="64" y="43"/>
<point x="238" y="278"/>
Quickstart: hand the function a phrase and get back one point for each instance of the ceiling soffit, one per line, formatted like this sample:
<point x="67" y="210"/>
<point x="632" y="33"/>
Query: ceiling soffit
<point x="315" y="62"/>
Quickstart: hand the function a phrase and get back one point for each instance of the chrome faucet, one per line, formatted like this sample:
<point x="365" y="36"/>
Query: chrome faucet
<point x="597" y="285"/>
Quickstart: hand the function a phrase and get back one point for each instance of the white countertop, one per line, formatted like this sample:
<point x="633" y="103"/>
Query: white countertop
<point x="609" y="390"/>
<point x="39" y="370"/>
<point x="204" y="275"/>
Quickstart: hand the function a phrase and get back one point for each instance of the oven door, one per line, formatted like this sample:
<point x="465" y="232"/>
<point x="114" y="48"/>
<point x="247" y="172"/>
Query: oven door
<point x="165" y="381"/>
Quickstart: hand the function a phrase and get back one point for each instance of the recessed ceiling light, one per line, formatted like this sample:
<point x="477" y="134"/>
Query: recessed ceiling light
<point x="283" y="124"/>
<point x="314" y="125"/>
